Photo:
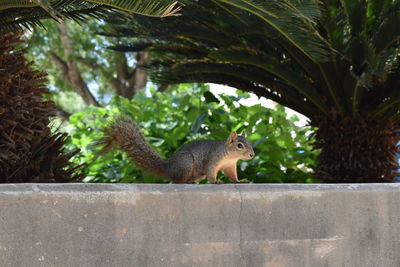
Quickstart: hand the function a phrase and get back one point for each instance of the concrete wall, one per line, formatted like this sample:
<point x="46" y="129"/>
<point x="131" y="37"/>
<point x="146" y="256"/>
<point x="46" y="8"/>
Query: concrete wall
<point x="199" y="225"/>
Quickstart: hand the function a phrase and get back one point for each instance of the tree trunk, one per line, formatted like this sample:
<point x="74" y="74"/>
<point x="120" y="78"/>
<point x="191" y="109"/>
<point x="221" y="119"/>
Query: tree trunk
<point x="128" y="82"/>
<point x="69" y="67"/>
<point x="356" y="150"/>
<point x="140" y="73"/>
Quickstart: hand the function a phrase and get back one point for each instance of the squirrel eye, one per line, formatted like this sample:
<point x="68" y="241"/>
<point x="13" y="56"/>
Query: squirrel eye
<point x="240" y="145"/>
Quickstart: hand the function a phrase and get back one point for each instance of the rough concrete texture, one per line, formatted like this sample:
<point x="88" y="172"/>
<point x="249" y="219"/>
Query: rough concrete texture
<point x="199" y="225"/>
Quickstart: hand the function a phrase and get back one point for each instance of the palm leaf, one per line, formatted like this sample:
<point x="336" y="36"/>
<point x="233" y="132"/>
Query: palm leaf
<point x="27" y="13"/>
<point x="388" y="32"/>
<point x="357" y="15"/>
<point x="294" y="24"/>
<point x="376" y="13"/>
<point x="237" y="77"/>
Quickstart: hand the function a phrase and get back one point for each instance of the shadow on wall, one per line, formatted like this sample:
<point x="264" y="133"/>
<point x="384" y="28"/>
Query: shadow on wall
<point x="398" y="158"/>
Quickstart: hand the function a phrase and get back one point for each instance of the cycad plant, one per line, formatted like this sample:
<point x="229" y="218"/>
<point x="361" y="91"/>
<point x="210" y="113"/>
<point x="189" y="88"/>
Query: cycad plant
<point x="335" y="61"/>
<point x="29" y="152"/>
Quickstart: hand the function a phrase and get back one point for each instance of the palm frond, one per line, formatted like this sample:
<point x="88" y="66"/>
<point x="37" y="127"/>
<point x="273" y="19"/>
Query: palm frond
<point x="356" y="14"/>
<point x="376" y="13"/>
<point x="201" y="72"/>
<point x="16" y="15"/>
<point x="291" y="21"/>
<point x="240" y="56"/>
<point x="388" y="31"/>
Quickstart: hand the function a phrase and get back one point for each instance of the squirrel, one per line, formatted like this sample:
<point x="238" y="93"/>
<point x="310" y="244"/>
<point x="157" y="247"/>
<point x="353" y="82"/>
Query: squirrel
<point x="191" y="163"/>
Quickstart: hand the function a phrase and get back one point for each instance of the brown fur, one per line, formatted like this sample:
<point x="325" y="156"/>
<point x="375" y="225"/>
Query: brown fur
<point x="125" y="134"/>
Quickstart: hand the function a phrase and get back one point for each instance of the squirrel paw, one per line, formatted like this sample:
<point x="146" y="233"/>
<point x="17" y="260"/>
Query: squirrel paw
<point x="218" y="182"/>
<point x="243" y="181"/>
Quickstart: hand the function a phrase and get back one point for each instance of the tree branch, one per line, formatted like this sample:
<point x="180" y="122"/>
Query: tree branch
<point x="139" y="78"/>
<point x="122" y="65"/>
<point x="117" y="86"/>
<point x="88" y="63"/>
<point x="62" y="114"/>
<point x="128" y="83"/>
<point x="163" y="87"/>
<point x="71" y="68"/>
<point x="66" y="42"/>
<point x="59" y="63"/>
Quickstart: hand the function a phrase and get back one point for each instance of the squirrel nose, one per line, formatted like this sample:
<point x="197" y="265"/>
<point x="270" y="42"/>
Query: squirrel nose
<point x="251" y="155"/>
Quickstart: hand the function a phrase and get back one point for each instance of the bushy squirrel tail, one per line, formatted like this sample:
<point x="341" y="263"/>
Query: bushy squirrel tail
<point x="124" y="133"/>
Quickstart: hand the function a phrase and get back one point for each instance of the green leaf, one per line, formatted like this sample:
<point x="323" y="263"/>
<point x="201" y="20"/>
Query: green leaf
<point x="210" y="97"/>
<point x="199" y="121"/>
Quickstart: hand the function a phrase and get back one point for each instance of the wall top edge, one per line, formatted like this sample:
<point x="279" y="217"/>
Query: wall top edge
<point x="31" y="188"/>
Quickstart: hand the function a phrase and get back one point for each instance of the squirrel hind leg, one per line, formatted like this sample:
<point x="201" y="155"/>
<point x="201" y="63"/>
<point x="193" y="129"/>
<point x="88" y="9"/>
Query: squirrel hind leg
<point x="180" y="168"/>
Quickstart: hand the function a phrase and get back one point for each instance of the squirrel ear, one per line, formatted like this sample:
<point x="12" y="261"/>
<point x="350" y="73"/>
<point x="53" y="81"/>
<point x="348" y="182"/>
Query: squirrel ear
<point x="244" y="134"/>
<point x="232" y="137"/>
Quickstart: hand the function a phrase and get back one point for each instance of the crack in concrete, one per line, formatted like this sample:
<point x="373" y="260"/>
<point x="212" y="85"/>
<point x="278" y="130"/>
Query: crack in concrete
<point x="240" y="226"/>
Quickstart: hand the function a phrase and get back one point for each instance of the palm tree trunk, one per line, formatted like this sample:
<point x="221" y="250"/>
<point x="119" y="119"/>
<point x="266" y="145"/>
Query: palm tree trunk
<point x="356" y="150"/>
<point x="29" y="151"/>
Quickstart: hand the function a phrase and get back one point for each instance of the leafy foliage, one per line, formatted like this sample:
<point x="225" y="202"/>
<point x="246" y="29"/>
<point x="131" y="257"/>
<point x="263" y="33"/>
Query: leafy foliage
<point x="103" y="72"/>
<point x="170" y="119"/>
<point x="97" y="64"/>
